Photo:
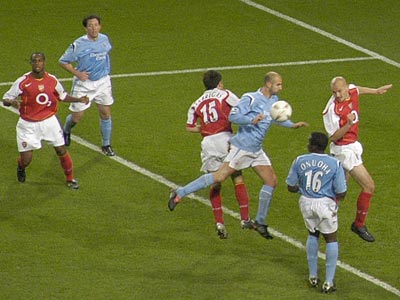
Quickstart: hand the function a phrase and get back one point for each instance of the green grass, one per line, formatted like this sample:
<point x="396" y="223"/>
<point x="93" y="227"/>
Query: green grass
<point x="115" y="238"/>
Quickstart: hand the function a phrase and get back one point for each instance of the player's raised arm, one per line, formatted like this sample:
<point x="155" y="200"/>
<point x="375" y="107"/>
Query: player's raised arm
<point x="378" y="91"/>
<point x="300" y="124"/>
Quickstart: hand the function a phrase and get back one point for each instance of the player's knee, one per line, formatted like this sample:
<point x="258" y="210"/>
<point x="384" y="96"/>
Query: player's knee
<point x="76" y="117"/>
<point x="315" y="233"/>
<point x="369" y="187"/>
<point x="105" y="112"/>
<point x="105" y="116"/>
<point x="60" y="151"/>
<point x="275" y="183"/>
<point x="372" y="187"/>
<point x="272" y="182"/>
<point x="330" y="237"/>
<point x="219" y="177"/>
<point x="216" y="187"/>
<point x="237" y="177"/>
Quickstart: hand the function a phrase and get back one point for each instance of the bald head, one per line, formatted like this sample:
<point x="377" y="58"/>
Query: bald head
<point x="272" y="84"/>
<point x="271" y="77"/>
<point x="340" y="88"/>
<point x="338" y="80"/>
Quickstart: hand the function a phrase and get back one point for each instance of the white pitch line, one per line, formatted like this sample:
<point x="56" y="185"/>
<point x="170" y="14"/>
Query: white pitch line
<point x="226" y="210"/>
<point x="363" y="50"/>
<point x="321" y="32"/>
<point x="221" y="68"/>
<point x="241" y="67"/>
<point x="298" y="244"/>
<point x="234" y="214"/>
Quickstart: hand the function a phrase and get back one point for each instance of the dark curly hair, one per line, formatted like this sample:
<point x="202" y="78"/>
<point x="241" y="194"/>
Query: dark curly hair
<point x="86" y="19"/>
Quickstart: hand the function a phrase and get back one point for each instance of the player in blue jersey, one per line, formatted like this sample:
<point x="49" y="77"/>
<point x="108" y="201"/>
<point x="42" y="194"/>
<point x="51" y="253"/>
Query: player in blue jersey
<point x="91" y="78"/>
<point x="252" y="114"/>
<point x="321" y="181"/>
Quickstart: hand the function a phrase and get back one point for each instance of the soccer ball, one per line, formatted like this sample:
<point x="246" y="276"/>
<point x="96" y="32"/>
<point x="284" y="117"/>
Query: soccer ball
<point x="281" y="111"/>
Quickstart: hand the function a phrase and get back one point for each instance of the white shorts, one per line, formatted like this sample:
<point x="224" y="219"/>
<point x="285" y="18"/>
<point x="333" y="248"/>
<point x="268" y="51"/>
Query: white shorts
<point x="349" y="155"/>
<point x="319" y="214"/>
<point x="31" y="134"/>
<point x="99" y="91"/>
<point x="241" y="159"/>
<point x="214" y="149"/>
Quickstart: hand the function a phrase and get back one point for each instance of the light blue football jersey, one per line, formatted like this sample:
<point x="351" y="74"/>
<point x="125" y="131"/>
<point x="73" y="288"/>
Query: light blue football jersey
<point x="249" y="136"/>
<point x="317" y="175"/>
<point x="90" y="56"/>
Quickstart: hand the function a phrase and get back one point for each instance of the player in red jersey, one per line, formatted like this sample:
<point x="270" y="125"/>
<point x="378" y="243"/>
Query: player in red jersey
<point x="341" y="119"/>
<point x="208" y="115"/>
<point x="36" y="95"/>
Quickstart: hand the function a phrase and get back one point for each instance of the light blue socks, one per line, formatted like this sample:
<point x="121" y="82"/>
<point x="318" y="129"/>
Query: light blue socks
<point x="312" y="255"/>
<point x="332" y="253"/>
<point x="69" y="124"/>
<point x="196" y="185"/>
<point x="264" y="202"/>
<point x="105" y="128"/>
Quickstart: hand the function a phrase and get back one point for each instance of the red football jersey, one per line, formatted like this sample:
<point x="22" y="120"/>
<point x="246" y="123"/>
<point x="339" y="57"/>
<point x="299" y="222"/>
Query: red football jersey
<point x="39" y="97"/>
<point x="342" y="109"/>
<point x="212" y="110"/>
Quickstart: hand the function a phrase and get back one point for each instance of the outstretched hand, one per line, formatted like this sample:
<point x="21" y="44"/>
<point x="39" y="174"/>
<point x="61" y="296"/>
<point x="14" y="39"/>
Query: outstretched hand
<point x="383" y="89"/>
<point x="300" y="124"/>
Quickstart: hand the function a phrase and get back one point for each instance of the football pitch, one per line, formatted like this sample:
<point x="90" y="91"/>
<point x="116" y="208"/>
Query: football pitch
<point x="115" y="238"/>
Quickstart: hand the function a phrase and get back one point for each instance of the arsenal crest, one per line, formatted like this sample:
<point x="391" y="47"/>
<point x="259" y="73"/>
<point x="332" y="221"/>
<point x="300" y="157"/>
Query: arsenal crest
<point x="41" y="87"/>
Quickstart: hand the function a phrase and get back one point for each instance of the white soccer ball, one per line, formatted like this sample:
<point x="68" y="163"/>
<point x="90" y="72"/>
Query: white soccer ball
<point x="281" y="111"/>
